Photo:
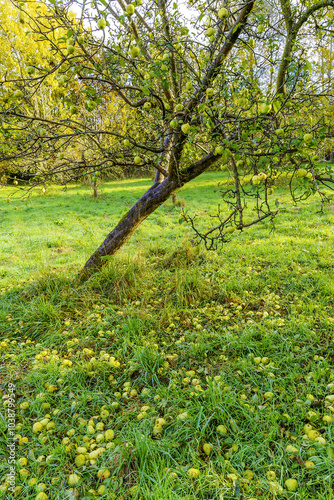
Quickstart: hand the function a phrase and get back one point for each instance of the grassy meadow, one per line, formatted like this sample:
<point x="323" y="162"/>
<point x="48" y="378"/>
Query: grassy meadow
<point x="176" y="373"/>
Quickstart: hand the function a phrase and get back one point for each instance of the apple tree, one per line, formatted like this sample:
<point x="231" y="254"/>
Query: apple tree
<point x="179" y="89"/>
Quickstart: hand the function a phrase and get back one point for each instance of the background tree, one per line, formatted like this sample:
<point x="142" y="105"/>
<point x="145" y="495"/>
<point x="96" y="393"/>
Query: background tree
<point x="154" y="85"/>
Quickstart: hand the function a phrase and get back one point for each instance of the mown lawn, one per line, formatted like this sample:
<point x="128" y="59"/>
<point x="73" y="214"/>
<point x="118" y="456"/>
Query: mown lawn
<point x="176" y="373"/>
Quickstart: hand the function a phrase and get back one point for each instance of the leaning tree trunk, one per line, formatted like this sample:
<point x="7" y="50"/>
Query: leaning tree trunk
<point x="157" y="194"/>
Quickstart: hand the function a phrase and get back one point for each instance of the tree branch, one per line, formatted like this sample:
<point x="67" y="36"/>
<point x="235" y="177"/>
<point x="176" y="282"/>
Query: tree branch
<point x="292" y="32"/>
<point x="311" y="10"/>
<point x="214" y="68"/>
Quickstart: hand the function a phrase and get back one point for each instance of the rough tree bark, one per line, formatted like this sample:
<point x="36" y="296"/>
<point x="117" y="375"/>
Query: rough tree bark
<point x="155" y="196"/>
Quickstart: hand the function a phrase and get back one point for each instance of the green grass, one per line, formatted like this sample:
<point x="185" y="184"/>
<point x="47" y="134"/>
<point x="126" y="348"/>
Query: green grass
<point x="200" y="338"/>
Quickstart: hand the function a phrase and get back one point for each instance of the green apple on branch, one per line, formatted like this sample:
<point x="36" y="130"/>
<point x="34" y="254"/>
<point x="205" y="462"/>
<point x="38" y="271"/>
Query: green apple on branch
<point x="101" y="24"/>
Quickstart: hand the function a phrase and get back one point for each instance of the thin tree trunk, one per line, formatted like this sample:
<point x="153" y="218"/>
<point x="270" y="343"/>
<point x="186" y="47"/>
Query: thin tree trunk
<point x="95" y="189"/>
<point x="292" y="28"/>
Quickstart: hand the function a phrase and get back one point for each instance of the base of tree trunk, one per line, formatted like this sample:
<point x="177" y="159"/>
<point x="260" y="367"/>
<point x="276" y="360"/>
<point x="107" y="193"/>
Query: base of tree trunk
<point x="155" y="196"/>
